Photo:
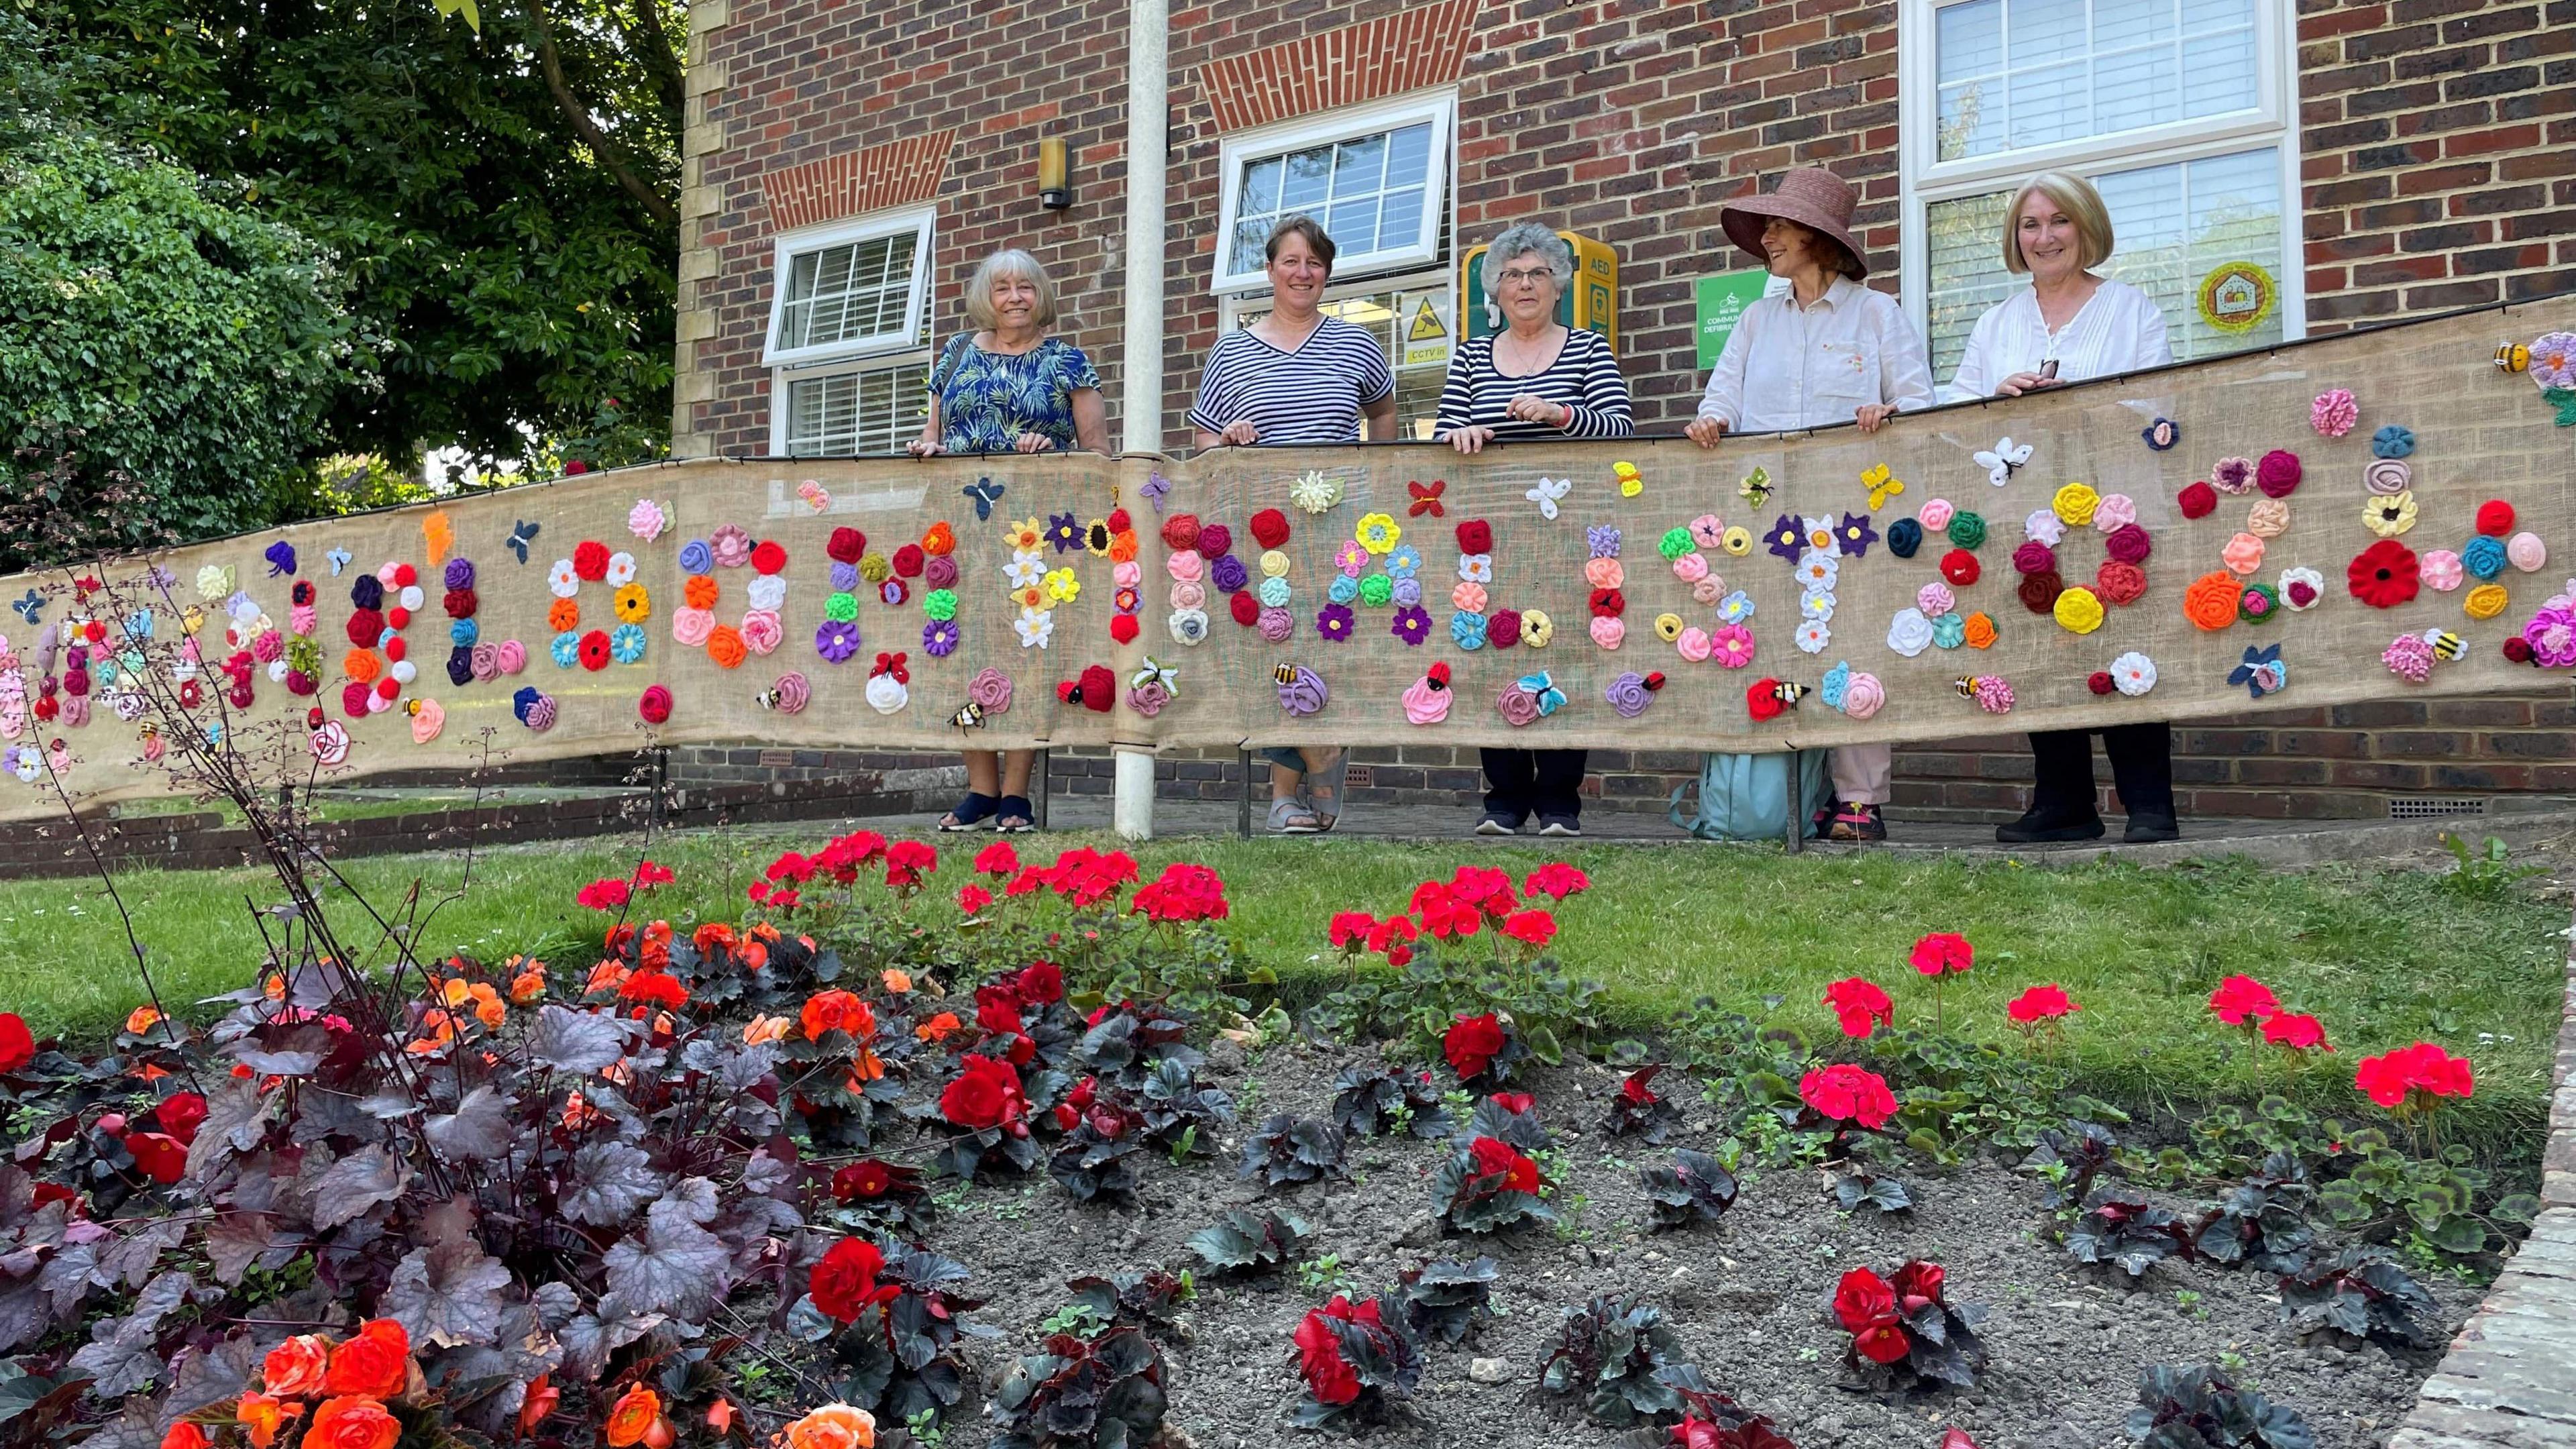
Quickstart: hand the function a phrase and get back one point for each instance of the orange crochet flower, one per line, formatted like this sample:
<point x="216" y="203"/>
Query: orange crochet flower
<point x="2210" y="602"/>
<point x="940" y="539"/>
<point x="1981" y="631"/>
<point x="699" y="592"/>
<point x="725" y="647"/>
<point x="563" y="616"/>
<point x="1122" y="546"/>
<point x="361" y="665"/>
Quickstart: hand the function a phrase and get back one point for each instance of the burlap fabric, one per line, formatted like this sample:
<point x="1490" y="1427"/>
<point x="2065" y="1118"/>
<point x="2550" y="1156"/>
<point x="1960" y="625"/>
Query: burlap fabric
<point x="2480" y="434"/>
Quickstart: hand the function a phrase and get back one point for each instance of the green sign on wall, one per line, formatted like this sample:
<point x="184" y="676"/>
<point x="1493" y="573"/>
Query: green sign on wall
<point x="1722" y="299"/>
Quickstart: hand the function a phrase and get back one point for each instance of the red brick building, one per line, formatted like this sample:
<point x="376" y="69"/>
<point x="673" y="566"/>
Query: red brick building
<point x="849" y="161"/>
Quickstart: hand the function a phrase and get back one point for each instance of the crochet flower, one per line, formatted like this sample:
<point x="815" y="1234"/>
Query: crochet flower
<point x="1736" y="607"/>
<point x="1274" y="593"/>
<point x="1188" y="626"/>
<point x="2258" y="603"/>
<point x="1476" y="568"/>
<point x="2232" y="475"/>
<point x="2334" y="412"/>
<point x="562" y="580"/>
<point x="1934" y="515"/>
<point x="1314" y="492"/>
<point x="2553" y="361"/>
<point x="1949" y="631"/>
<point x="2301" y="588"/>
<point x="2382" y="575"/>
<point x="1708" y="531"/>
<point x="2133" y="674"/>
<point x="1967" y="530"/>
<point x="2077" y="611"/>
<point x="2483" y="556"/>
<point x="2409" y="658"/>
<point x="2243" y="554"/>
<point x="626" y="644"/>
<point x="1909" y="633"/>
<point x="1814" y="635"/>
<point x="1025" y="536"/>
<point x="2161" y="434"/>
<point x="1536" y="628"/>
<point x="1411" y="625"/>
<point x="1786" y="539"/>
<point x="2392" y="441"/>
<point x="1816" y="604"/>
<point x="1228" y="574"/>
<point x="1992" y="693"/>
<point x="1690" y="568"/>
<point x="2278" y="474"/>
<point x="2268" y="519"/>
<point x="2484" y="602"/>
<point x="1818" y="570"/>
<point x="1935" y="599"/>
<point x="2389" y="516"/>
<point x="1470" y="597"/>
<point x="2551" y="636"/>
<point x="2119" y="583"/>
<point x="836" y="640"/>
<point x="1351" y="557"/>
<point x="1062" y="586"/>
<point x="1404" y="562"/>
<point x="1064" y="531"/>
<point x="1377" y="532"/>
<point x="940" y="637"/>
<point x="1854" y="536"/>
<point x="2262" y="671"/>
<point x="1035" y="628"/>
<point x="1334" y="622"/>
<point x="1692" y="644"/>
<point x="2075" y="503"/>
<point x="2043" y="527"/>
<point x="1731" y="645"/>
<point x="1467" y="630"/>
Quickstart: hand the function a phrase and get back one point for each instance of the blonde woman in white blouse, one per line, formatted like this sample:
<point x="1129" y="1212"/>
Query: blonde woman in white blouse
<point x="2071" y="325"/>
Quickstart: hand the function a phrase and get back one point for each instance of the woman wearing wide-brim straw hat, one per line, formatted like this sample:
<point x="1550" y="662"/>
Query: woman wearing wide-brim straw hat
<point x="1828" y="350"/>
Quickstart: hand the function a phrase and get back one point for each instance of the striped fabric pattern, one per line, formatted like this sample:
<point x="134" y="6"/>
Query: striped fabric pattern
<point x="1584" y="377"/>
<point x="1311" y="395"/>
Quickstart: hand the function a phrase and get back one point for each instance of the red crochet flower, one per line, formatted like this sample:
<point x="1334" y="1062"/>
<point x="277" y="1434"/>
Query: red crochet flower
<point x="2119" y="583"/>
<point x="2100" y="682"/>
<point x="2495" y="518"/>
<point x="594" y="650"/>
<point x="590" y="559"/>
<point x="1245" y="607"/>
<point x="1608" y="603"/>
<point x="1123" y="628"/>
<point x="1960" y="567"/>
<point x="908" y="561"/>
<point x="1503" y="630"/>
<point x="1762" y="697"/>
<point x="1270" y="527"/>
<point x="1475" y="536"/>
<point x="2198" y="501"/>
<point x="2383" y="575"/>
<point x="2039" y="591"/>
<point x="2278" y="474"/>
<point x="847" y="545"/>
<point x="768" y="557"/>
<point x="1181" y="532"/>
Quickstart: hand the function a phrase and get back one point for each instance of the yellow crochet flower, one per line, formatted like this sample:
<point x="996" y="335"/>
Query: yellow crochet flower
<point x="1274" y="564"/>
<point x="2390" y="515"/>
<point x="875" y="569"/>
<point x="1377" y="533"/>
<point x="1738" y="539"/>
<point x="2485" y="601"/>
<point x="1062" y="586"/>
<point x="1668" y="627"/>
<point x="633" y="604"/>
<point x="2074" y="504"/>
<point x="1026" y="535"/>
<point x="2078" y="611"/>
<point x="1537" y="628"/>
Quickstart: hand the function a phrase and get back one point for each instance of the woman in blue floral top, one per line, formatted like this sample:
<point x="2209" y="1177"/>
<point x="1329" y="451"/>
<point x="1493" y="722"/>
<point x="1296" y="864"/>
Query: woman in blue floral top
<point x="1008" y="386"/>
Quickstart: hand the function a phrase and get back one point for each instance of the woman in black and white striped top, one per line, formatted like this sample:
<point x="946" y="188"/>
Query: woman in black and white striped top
<point x="1295" y="376"/>
<point x="1536" y="378"/>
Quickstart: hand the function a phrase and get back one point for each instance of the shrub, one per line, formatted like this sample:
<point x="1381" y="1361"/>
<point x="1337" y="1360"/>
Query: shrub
<point x="1909" y="1325"/>
<point x="901" y="1347"/>
<point x="1486" y="1185"/>
<point x="1693" y="1188"/>
<point x="1244" y="1240"/>
<point x="2128" y="1233"/>
<point x="1425" y="998"/>
<point x="2262" y="1223"/>
<point x="1444" y="1300"/>
<point x="1354" y="1358"/>
<point x="1368" y="1102"/>
<point x="1289" y="1150"/>
<point x="1621" y="1358"/>
<point x="2070" y="1160"/>
<point x="2361" y="1292"/>
<point x="1509" y="1117"/>
<point x="1151" y="1300"/>
<point x="1105" y="1391"/>
<point x="1097" y="1158"/>
<point x="2200" y="1408"/>
<point x="1638" y="1110"/>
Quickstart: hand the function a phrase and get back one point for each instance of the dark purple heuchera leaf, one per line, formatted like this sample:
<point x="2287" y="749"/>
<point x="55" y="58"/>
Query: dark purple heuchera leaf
<point x="130" y="1259"/>
<point x="674" y="1265"/>
<point x="2128" y="1233"/>
<point x="1244" y="1239"/>
<point x="236" y="1240"/>
<point x="1099" y="1391"/>
<point x="447" y="1294"/>
<point x="1150" y="1299"/>
<point x="355" y="1184"/>
<point x="611" y="1181"/>
<point x="2363" y="1292"/>
<point x="122" y="1354"/>
<point x="1693" y="1188"/>
<point x="236" y="1118"/>
<point x="477" y="1131"/>
<point x="575" y="1041"/>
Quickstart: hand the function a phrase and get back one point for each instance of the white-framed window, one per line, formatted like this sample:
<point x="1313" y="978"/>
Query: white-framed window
<point x="850" y="408"/>
<point x="849" y="289"/>
<point x="1375" y="178"/>
<point x="1415" y="317"/>
<point x="2181" y="112"/>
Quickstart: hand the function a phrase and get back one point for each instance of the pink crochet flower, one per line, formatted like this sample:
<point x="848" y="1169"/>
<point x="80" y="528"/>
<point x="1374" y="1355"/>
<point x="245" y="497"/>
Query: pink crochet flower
<point x="1731" y="645"/>
<point x="2232" y="475"/>
<point x="2332" y="415"/>
<point x="2243" y="554"/>
<point x="1994" y="696"/>
<point x="1935" y="599"/>
<point x="2409" y="658"/>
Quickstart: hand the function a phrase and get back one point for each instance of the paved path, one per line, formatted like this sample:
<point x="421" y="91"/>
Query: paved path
<point x="2509" y="1381"/>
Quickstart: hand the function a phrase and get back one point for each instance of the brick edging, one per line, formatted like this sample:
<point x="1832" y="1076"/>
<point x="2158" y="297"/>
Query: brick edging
<point x="2509" y="1378"/>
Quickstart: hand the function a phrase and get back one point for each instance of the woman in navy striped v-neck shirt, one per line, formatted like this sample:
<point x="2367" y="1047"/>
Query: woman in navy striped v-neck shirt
<point x="1534" y="379"/>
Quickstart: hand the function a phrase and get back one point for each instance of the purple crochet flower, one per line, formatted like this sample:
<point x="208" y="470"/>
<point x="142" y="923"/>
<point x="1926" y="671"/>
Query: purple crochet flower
<point x="939" y="638"/>
<point x="2552" y="637"/>
<point x="1855" y="535"/>
<point x="1412" y="625"/>
<point x="460" y="573"/>
<point x="1603" y="539"/>
<point x="1786" y="538"/>
<point x="1228" y="574"/>
<point x="1064" y="531"/>
<point x="836" y="641"/>
<point x="1406" y="593"/>
<point x="845" y="578"/>
<point x="1334" y="622"/>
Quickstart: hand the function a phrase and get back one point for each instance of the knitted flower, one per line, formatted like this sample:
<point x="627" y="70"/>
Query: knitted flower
<point x="2114" y="512"/>
<point x="1935" y="599"/>
<point x="2383" y="575"/>
<point x="2258" y="603"/>
<point x="1992" y="693"/>
<point x="2243" y="554"/>
<point x="2409" y="658"/>
<point x="2075" y="503"/>
<point x="2210" y="602"/>
<point x="2232" y="475"/>
<point x="2483" y="556"/>
<point x="2198" y="500"/>
<point x="2078" y="611"/>
<point x="2301" y="588"/>
<point x="2389" y="516"/>
<point x="1378" y="532"/>
<point x="1935" y="513"/>
<point x="2043" y="527"/>
<point x="1949" y="631"/>
<point x="2334" y="413"/>
<point x="2553" y="361"/>
<point x="1968" y="530"/>
<point x="2129" y="544"/>
<point x="2039" y="592"/>
<point x="1978" y="631"/>
<point x="1909" y="633"/>
<point x="2392" y="441"/>
<point x="1731" y="645"/>
<point x="2033" y="557"/>
<point x="2133" y="674"/>
<point x="2278" y="474"/>
<point x="2484" y="602"/>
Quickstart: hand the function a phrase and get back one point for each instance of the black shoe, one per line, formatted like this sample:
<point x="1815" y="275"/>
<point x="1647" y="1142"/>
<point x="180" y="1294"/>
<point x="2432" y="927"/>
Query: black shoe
<point x="1497" y="825"/>
<point x="2148" y="829"/>
<point x="1559" y="825"/>
<point x="2034" y="828"/>
<point x="1858" y="821"/>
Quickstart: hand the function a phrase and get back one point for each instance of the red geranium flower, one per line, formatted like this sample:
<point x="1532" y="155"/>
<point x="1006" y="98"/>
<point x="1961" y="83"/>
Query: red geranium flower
<point x="17" y="1044"/>
<point x="1472" y="1042"/>
<point x="1496" y="1158"/>
<point x="1534" y="928"/>
<point x="648" y="875"/>
<point x="1866" y="1308"/>
<point x="1557" y="880"/>
<point x="973" y="898"/>
<point x="1388" y="936"/>
<point x="1041" y="982"/>
<point x="907" y="861"/>
<point x="845" y="1282"/>
<point x="2391" y="1077"/>
<point x="1183" y="892"/>
<point x="1487" y="889"/>
<point x="1846" y="1093"/>
<point x="986" y="1094"/>
<point x="604" y="895"/>
<point x="998" y="858"/>
<point x="1943" y="951"/>
<point x="2295" y="1031"/>
<point x="1441" y="912"/>
<point x="2040" y="1003"/>
<point x="2239" y="999"/>
<point x="1859" y="1005"/>
<point x="1350" y="929"/>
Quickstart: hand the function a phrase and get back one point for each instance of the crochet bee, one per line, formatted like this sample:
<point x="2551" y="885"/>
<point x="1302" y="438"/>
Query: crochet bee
<point x="1787" y="692"/>
<point x="2513" y="356"/>
<point x="1966" y="684"/>
<point x="2446" y="645"/>
<point x="970" y="717"/>
<point x="1285" y="674"/>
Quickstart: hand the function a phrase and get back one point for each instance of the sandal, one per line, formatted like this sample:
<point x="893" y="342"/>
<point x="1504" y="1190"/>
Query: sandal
<point x="1293" y="817"/>
<point x="1015" y="816"/>
<point x="972" y="811"/>
<point x="1324" y="791"/>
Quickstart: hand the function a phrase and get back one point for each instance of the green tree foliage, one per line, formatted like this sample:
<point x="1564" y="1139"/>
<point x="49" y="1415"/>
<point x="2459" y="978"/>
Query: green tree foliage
<point x="500" y="195"/>
<point x="164" y="358"/>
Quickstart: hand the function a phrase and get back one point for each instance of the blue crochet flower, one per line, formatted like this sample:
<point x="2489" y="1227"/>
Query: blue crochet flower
<point x="1835" y="685"/>
<point x="2392" y="441"/>
<point x="566" y="649"/>
<point x="1950" y="631"/>
<point x="2483" y="556"/>
<point x="1343" y="589"/>
<point x="696" y="557"/>
<point x="1467" y="630"/>
<point x="626" y="643"/>
<point x="1404" y="563"/>
<point x="463" y="633"/>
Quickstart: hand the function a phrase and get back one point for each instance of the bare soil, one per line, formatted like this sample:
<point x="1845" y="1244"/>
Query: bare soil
<point x="1750" y="1296"/>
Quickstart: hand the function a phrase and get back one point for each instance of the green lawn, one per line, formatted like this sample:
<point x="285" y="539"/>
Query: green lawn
<point x="2384" y="957"/>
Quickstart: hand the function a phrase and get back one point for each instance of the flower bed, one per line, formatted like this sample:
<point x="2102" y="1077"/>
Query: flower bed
<point x="1018" y="1152"/>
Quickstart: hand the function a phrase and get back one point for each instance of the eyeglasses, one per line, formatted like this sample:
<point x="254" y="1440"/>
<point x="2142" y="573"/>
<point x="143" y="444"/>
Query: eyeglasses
<point x="1523" y="276"/>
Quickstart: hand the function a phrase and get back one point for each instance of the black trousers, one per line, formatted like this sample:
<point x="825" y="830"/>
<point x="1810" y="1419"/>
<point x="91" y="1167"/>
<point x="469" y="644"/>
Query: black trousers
<point x="2141" y="770"/>
<point x="1544" y="783"/>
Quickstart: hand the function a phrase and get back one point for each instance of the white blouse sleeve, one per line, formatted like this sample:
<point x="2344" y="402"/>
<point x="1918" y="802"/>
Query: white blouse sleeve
<point x="1724" y="399"/>
<point x="2153" y="348"/>
<point x="1973" y="378"/>
<point x="1905" y="369"/>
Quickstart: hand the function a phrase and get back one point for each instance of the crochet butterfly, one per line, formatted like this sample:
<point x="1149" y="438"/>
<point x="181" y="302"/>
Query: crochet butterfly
<point x="1156" y="487"/>
<point x="519" y="539"/>
<point x="1542" y="687"/>
<point x="1426" y="498"/>
<point x="2262" y="671"/>
<point x="1156" y="673"/>
<point x="1547" y="494"/>
<point x="31" y="607"/>
<point x="986" y="493"/>
<point x="1756" y="487"/>
<point x="2002" y="459"/>
<point x="1882" y="485"/>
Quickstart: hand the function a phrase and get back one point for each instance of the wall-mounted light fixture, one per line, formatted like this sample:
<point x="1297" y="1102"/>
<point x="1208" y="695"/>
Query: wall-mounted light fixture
<point x="1055" y="185"/>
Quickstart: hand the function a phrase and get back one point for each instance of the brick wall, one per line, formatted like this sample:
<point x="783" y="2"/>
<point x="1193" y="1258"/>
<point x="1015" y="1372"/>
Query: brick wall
<point x="2438" y="150"/>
